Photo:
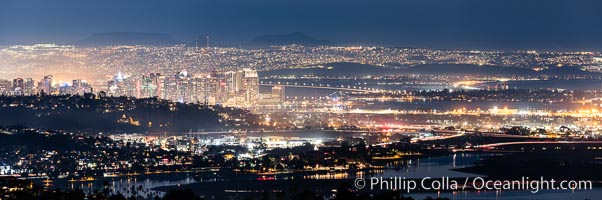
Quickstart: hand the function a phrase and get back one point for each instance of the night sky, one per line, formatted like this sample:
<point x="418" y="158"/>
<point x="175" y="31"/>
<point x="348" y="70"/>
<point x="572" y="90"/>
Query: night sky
<point x="475" y="24"/>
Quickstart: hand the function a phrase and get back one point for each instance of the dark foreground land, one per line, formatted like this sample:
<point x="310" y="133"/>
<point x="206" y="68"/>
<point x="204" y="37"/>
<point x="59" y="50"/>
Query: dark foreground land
<point x="93" y="113"/>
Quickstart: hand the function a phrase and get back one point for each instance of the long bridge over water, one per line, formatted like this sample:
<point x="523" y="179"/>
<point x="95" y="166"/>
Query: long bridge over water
<point x="371" y="90"/>
<point x="490" y="146"/>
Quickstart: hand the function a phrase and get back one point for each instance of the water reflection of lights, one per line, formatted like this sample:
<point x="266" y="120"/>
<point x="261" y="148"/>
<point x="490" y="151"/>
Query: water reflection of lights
<point x="327" y="176"/>
<point x="124" y="185"/>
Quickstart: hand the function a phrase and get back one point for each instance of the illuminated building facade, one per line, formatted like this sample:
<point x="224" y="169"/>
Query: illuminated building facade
<point x="45" y="85"/>
<point x="278" y="93"/>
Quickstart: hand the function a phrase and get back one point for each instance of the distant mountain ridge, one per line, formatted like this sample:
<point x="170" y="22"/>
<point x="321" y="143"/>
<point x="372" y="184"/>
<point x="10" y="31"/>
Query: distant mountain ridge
<point x="127" y="38"/>
<point x="285" y="39"/>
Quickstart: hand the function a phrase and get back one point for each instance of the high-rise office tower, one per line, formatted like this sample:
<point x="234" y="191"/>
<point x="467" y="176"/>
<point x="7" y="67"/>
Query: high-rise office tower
<point x="121" y="85"/>
<point x="200" y="88"/>
<point x="45" y="85"/>
<point x="250" y="86"/>
<point x="218" y="87"/>
<point x="5" y="87"/>
<point x="79" y="87"/>
<point x="29" y="86"/>
<point x="279" y="93"/>
<point x="183" y="86"/>
<point x="150" y="86"/>
<point x="18" y="86"/>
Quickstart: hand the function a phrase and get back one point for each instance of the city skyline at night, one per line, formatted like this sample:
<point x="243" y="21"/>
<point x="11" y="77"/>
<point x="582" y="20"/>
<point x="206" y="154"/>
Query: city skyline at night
<point x="296" y="100"/>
